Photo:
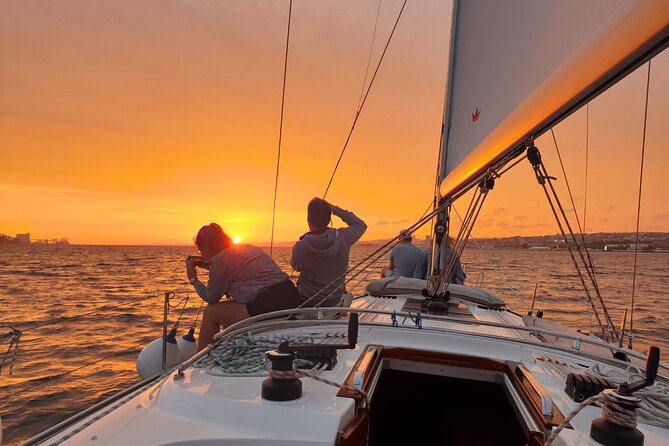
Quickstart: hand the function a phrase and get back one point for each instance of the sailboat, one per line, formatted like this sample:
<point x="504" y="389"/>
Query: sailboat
<point x="431" y="362"/>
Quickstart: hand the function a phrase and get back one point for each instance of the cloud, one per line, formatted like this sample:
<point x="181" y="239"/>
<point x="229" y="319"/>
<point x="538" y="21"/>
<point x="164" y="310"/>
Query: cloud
<point x="498" y="211"/>
<point x="391" y="223"/>
<point x="608" y="207"/>
<point x="661" y="217"/>
<point x="521" y="217"/>
<point x="485" y="223"/>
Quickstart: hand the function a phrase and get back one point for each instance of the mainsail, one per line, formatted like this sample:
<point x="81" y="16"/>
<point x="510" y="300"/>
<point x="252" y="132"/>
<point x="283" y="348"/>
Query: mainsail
<point x="513" y="75"/>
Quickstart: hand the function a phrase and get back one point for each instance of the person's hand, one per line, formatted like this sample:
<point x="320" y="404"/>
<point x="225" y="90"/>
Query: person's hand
<point x="190" y="269"/>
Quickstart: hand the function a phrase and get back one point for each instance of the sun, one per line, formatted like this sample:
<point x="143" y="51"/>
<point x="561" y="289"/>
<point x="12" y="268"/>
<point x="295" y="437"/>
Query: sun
<point x="236" y="239"/>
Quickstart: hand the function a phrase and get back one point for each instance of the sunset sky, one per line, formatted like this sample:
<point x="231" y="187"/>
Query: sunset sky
<point x="136" y="122"/>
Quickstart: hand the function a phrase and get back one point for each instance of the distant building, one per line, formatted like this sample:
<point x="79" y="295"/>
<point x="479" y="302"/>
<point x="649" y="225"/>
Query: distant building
<point x="627" y="247"/>
<point x="23" y="238"/>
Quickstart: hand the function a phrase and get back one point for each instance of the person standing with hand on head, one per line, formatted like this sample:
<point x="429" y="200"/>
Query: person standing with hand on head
<point x="246" y="274"/>
<point x="321" y="255"/>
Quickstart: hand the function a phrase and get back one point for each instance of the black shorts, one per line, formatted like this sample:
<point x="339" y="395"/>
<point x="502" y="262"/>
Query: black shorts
<point x="281" y="296"/>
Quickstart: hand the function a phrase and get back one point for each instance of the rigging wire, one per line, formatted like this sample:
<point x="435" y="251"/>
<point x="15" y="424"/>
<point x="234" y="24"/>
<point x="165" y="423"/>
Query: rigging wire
<point x="9" y="356"/>
<point x="475" y="206"/>
<point x="371" y="50"/>
<point x="197" y="316"/>
<point x="585" y="198"/>
<point x="571" y="196"/>
<point x="587" y="156"/>
<point x="609" y="331"/>
<point x="638" y="210"/>
<point x="283" y="99"/>
<point x="364" y="99"/>
<point x="590" y="265"/>
<point x="461" y="222"/>
<point x="183" y="309"/>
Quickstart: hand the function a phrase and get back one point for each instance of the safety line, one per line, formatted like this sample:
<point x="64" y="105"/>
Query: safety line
<point x="364" y="99"/>
<point x="638" y="210"/>
<point x="283" y="99"/>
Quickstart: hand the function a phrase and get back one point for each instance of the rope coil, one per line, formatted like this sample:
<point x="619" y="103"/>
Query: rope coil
<point x="244" y="355"/>
<point x="612" y="410"/>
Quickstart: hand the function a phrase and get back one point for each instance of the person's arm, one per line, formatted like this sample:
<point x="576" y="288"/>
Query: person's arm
<point x="356" y="227"/>
<point x="459" y="273"/>
<point x="216" y="287"/>
<point x="295" y="258"/>
<point x="421" y="268"/>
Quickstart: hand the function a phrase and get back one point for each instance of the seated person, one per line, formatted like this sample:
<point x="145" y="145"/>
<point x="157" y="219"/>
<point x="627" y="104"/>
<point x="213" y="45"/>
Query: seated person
<point x="403" y="258"/>
<point x="424" y="266"/>
<point x="321" y="255"/>
<point x="245" y="273"/>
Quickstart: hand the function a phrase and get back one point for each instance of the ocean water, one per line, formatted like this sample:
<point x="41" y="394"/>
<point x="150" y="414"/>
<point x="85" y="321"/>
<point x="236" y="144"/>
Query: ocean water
<point x="87" y="311"/>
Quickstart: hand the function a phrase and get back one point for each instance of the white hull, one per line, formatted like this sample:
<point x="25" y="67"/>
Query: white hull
<point x="199" y="408"/>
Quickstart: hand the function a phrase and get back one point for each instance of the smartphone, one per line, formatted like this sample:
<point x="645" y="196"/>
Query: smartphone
<point x="198" y="261"/>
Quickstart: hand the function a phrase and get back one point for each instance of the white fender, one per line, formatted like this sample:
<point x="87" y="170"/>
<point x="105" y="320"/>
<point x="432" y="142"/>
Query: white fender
<point x="150" y="360"/>
<point x="187" y="345"/>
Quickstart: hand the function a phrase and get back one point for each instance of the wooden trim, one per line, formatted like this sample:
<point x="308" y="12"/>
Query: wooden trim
<point x="440" y="358"/>
<point x="357" y="433"/>
<point x="517" y="373"/>
<point x="368" y="363"/>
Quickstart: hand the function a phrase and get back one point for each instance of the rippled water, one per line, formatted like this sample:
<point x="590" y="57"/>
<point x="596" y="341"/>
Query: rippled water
<point x="117" y="293"/>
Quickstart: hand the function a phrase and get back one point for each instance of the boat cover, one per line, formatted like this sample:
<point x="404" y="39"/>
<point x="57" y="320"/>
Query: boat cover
<point x="393" y="286"/>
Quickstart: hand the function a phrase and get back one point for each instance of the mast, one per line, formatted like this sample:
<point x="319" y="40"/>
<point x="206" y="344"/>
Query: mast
<point x="441" y="228"/>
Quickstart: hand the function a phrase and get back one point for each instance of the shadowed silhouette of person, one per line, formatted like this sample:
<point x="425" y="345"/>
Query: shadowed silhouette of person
<point x="321" y="255"/>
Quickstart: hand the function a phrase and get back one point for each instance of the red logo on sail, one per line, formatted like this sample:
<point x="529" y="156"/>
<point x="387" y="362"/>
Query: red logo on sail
<point x="476" y="114"/>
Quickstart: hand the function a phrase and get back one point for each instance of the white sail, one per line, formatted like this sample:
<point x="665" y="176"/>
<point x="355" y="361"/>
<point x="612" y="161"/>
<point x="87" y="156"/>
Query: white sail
<point x="518" y="66"/>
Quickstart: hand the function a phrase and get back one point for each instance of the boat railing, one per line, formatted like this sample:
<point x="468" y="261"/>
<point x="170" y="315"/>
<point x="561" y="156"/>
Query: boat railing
<point x="268" y="321"/>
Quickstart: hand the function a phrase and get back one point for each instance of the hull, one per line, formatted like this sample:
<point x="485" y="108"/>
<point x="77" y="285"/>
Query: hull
<point x="484" y="366"/>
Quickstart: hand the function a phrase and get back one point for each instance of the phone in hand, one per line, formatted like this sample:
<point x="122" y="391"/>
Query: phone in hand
<point x="198" y="261"/>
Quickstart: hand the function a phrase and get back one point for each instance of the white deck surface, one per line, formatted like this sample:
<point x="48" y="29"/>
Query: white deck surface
<point x="201" y="409"/>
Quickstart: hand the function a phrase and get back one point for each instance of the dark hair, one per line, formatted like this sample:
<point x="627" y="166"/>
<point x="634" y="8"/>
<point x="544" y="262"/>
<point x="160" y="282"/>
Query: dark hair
<point x="212" y="234"/>
<point x="319" y="213"/>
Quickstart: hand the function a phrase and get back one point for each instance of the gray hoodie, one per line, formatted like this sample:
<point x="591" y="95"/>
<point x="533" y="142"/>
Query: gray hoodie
<point x="322" y="258"/>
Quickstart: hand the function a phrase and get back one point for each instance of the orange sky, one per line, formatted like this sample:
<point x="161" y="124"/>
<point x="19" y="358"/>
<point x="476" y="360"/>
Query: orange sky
<point x="137" y="122"/>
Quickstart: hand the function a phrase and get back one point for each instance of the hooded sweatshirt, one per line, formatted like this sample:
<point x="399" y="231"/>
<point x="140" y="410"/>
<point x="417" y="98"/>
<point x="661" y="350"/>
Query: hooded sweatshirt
<point x="321" y="257"/>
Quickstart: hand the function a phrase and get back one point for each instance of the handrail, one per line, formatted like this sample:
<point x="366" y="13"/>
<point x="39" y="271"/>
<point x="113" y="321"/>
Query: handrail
<point x="253" y="323"/>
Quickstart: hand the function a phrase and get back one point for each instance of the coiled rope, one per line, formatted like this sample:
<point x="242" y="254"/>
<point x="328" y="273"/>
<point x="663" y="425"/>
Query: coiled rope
<point x="612" y="411"/>
<point x="244" y="355"/>
<point x="654" y="406"/>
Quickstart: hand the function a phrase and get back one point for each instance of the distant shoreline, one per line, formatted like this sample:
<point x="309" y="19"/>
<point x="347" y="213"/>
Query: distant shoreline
<point x="656" y="241"/>
<point x="617" y="241"/>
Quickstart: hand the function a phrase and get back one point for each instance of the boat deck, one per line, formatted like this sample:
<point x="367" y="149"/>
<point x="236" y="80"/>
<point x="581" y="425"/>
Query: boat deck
<point x="473" y="343"/>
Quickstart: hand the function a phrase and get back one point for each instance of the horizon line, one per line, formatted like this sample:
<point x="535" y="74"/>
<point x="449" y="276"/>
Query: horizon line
<point x="291" y="243"/>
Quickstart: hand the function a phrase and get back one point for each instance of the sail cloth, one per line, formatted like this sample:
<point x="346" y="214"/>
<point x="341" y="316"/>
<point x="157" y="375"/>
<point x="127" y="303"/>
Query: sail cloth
<point x="519" y="66"/>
